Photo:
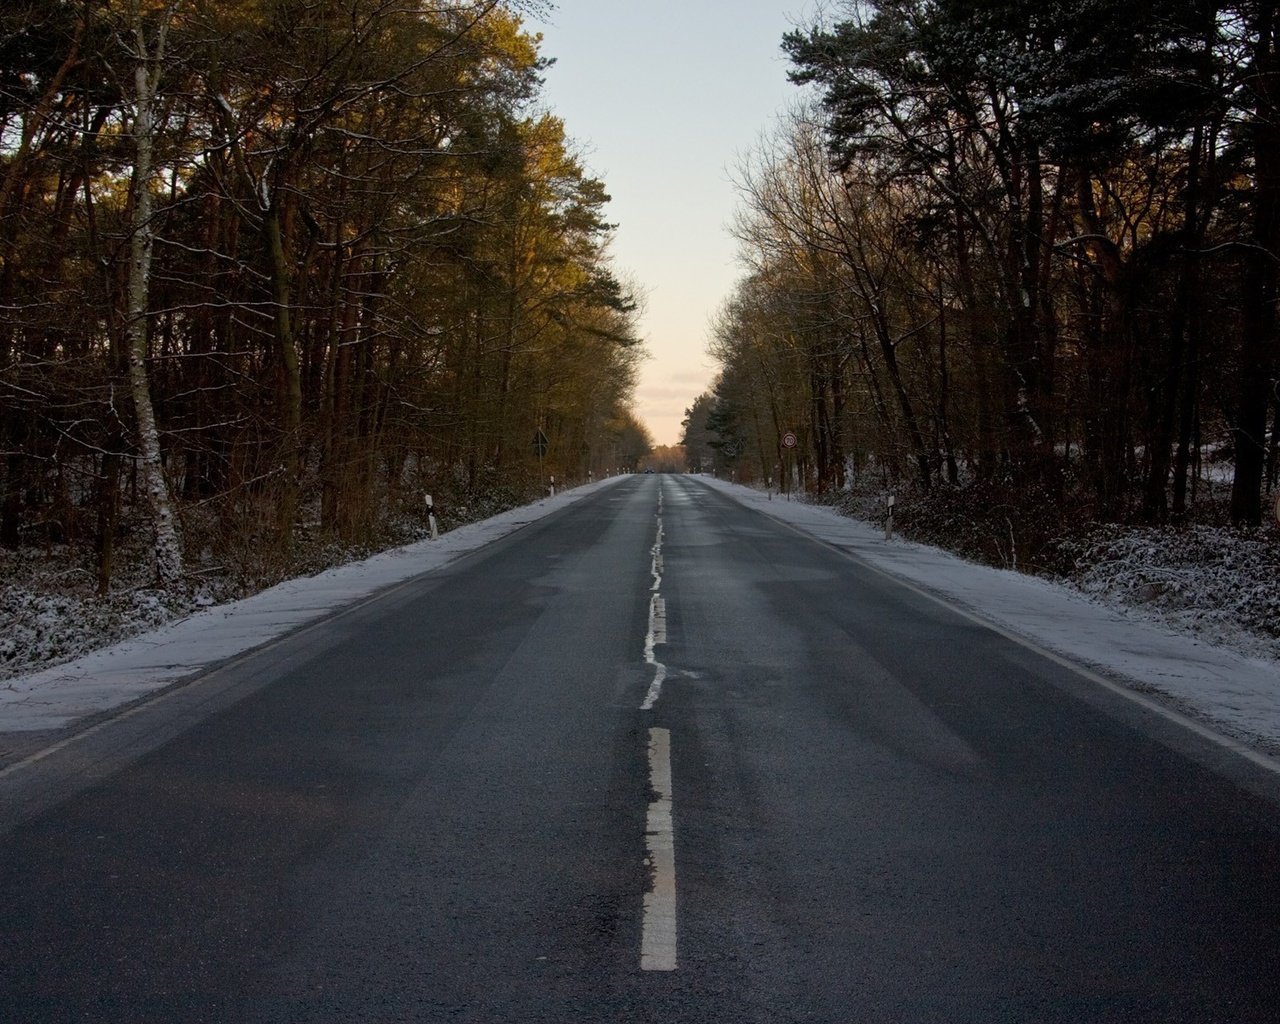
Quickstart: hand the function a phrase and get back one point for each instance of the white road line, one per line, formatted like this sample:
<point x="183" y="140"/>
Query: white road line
<point x="657" y="621"/>
<point x="657" y="635"/>
<point x="656" y="564"/>
<point x="658" y="933"/>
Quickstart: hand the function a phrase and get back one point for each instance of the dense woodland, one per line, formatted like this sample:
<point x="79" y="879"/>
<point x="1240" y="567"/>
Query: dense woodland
<point x="1018" y="260"/>
<point x="283" y="267"/>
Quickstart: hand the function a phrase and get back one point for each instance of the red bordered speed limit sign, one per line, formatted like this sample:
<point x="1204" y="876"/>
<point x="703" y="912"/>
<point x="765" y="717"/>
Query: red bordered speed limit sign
<point x="788" y="440"/>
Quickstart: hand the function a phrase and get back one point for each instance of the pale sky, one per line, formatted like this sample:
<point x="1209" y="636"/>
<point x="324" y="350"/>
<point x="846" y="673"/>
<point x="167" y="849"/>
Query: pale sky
<point x="663" y="97"/>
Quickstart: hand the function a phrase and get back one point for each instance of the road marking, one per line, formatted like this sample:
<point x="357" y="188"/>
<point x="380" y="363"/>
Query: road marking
<point x="656" y="566"/>
<point x="657" y="620"/>
<point x="658" y="933"/>
<point x="657" y="635"/>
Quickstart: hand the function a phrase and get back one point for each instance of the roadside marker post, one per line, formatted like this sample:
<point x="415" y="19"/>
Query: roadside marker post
<point x="431" y="519"/>
<point x="888" y="521"/>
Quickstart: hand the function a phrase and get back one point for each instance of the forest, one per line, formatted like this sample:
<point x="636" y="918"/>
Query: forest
<point x="272" y="271"/>
<point x="1016" y="262"/>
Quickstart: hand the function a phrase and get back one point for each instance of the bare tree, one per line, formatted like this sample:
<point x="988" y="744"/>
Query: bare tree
<point x="145" y="45"/>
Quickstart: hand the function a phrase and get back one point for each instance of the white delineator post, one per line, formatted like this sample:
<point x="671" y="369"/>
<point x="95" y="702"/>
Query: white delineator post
<point x="553" y="487"/>
<point x="888" y="521"/>
<point x="431" y="519"/>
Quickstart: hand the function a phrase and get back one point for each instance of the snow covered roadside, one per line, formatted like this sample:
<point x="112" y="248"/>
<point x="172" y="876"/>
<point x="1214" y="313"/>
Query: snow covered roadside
<point x="58" y="696"/>
<point x="1238" y="695"/>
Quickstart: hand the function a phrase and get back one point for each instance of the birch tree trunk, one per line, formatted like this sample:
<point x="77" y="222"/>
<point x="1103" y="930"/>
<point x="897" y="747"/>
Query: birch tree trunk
<point x="147" y="62"/>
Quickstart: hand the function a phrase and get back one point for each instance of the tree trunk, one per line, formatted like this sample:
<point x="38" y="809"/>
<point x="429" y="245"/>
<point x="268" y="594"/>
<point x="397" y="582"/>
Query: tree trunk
<point x="1155" y="500"/>
<point x="108" y="515"/>
<point x="1187" y="417"/>
<point x="984" y="459"/>
<point x="914" y="436"/>
<point x="169" y="567"/>
<point x="290" y="376"/>
<point x="1258" y="346"/>
<point x="944" y="395"/>
<point x="1273" y="452"/>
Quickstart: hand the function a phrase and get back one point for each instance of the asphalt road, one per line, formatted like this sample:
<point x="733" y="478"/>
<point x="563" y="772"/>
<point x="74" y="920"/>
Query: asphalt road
<point x="653" y="759"/>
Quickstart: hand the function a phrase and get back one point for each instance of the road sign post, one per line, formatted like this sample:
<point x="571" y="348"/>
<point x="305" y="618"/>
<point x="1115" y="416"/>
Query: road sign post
<point x="888" y="520"/>
<point x="788" y="446"/>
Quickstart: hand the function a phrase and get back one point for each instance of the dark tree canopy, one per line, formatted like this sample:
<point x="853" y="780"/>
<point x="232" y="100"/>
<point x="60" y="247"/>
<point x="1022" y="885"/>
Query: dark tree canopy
<point x="1029" y="249"/>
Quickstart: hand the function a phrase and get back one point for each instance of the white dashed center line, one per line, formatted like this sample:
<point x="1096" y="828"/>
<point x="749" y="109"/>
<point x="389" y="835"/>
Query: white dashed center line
<point x="658" y="935"/>
<point x="657" y="622"/>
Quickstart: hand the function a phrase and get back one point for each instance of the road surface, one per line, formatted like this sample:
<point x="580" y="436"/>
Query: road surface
<point x="655" y="758"/>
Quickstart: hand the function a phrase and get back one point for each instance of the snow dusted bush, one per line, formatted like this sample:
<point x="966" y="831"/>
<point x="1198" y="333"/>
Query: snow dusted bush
<point x="1217" y="582"/>
<point x="50" y="611"/>
<point x="988" y="522"/>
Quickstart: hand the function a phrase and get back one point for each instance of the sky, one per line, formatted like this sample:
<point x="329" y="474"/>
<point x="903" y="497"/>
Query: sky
<point x="663" y="98"/>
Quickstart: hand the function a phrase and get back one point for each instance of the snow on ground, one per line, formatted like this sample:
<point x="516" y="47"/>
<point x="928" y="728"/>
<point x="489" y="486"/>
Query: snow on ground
<point x="1237" y="694"/>
<point x="58" y="696"/>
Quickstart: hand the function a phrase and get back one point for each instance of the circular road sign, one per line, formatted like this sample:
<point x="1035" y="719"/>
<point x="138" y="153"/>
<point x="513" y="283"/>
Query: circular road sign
<point x="788" y="440"/>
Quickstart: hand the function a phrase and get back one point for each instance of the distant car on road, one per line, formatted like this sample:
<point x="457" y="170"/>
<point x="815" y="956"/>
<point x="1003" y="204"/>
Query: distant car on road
<point x="648" y="471"/>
